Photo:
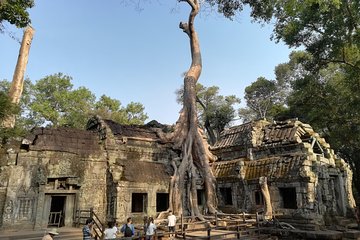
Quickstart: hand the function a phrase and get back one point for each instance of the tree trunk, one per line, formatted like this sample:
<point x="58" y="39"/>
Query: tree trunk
<point x="209" y="129"/>
<point x="196" y="157"/>
<point x="266" y="194"/>
<point x="17" y="84"/>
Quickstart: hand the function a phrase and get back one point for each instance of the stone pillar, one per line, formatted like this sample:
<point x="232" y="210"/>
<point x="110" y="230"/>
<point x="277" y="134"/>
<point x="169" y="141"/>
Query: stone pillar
<point x="69" y="210"/>
<point x="43" y="205"/>
<point x="339" y="187"/>
<point x="151" y="208"/>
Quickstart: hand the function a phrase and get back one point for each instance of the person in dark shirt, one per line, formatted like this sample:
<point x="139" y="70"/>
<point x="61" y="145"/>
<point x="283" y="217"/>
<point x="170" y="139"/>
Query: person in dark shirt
<point x="87" y="229"/>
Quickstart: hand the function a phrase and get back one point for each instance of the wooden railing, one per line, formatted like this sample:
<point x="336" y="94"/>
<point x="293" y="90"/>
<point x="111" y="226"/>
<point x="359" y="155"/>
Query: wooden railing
<point x="236" y="224"/>
<point x="98" y="226"/>
<point x="55" y="218"/>
<point x="80" y="219"/>
<point x="80" y="216"/>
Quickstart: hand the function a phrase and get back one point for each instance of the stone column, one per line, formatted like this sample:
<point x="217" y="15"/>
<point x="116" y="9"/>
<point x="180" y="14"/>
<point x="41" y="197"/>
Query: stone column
<point x="69" y="210"/>
<point x="42" y="206"/>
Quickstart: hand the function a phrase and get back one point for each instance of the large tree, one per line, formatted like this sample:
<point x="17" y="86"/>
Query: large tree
<point x="195" y="155"/>
<point x="15" y="12"/>
<point x="329" y="100"/>
<point x="17" y="84"/>
<point x="110" y="108"/>
<point x="25" y="119"/>
<point x="262" y="99"/>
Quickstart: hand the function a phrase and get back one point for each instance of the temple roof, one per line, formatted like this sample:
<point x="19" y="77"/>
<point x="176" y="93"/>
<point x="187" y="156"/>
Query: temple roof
<point x="62" y="139"/>
<point x="273" y="168"/>
<point x="149" y="131"/>
<point x="262" y="133"/>
<point x="142" y="131"/>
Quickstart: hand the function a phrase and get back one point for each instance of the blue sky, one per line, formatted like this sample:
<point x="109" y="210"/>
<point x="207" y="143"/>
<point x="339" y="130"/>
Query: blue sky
<point x="139" y="56"/>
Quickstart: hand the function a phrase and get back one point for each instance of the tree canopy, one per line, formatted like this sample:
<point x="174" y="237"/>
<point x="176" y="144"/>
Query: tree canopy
<point x="263" y="100"/>
<point x="53" y="101"/>
<point x="15" y="12"/>
<point x="329" y="100"/>
<point x="215" y="111"/>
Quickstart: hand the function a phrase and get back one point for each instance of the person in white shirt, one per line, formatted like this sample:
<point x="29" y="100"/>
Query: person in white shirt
<point x="171" y="223"/>
<point x="110" y="232"/>
<point x="150" y="229"/>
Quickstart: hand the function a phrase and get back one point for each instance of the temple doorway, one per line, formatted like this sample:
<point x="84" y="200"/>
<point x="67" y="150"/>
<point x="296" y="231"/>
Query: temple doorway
<point x="57" y="211"/>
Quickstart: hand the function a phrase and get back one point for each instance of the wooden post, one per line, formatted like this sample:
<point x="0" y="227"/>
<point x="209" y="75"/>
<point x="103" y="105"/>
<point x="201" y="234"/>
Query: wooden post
<point x="238" y="232"/>
<point x="91" y="213"/>
<point x="182" y="224"/>
<point x="216" y="220"/>
<point x="209" y="232"/>
<point x="102" y="232"/>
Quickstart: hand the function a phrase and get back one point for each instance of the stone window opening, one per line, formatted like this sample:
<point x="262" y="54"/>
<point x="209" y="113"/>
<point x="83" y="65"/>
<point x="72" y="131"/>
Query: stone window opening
<point x="226" y="194"/>
<point x="259" y="198"/>
<point x="139" y="202"/>
<point x="288" y="197"/>
<point x="25" y="208"/>
<point x="162" y="202"/>
<point x="200" y="197"/>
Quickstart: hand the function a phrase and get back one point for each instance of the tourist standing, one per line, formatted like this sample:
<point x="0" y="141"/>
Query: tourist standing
<point x="87" y="229"/>
<point x="50" y="234"/>
<point x="150" y="229"/>
<point x="171" y="223"/>
<point x="145" y="220"/>
<point x="110" y="232"/>
<point x="128" y="229"/>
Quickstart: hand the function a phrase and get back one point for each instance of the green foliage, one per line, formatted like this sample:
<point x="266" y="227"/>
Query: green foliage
<point x="228" y="7"/>
<point x="329" y="30"/>
<point x="135" y="113"/>
<point x="15" y="12"/>
<point x="53" y="101"/>
<point x="263" y="100"/>
<point x="57" y="104"/>
<point x="110" y="108"/>
<point x="215" y="111"/>
<point x="328" y="99"/>
<point x="6" y="107"/>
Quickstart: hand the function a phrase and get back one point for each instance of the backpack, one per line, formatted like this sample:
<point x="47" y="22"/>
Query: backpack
<point x="127" y="231"/>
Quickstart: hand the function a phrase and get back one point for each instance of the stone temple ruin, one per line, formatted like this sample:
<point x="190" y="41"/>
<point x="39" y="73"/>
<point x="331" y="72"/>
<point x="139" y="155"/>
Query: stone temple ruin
<point x="122" y="171"/>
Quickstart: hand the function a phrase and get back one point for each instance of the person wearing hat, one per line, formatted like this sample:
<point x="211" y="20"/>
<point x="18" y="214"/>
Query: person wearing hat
<point x="50" y="234"/>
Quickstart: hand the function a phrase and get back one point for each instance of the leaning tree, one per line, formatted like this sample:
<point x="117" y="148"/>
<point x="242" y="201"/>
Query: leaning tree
<point x="16" y="13"/>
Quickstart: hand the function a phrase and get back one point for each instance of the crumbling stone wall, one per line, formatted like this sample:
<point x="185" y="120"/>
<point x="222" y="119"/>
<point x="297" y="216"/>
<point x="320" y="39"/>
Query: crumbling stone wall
<point x="52" y="162"/>
<point x="298" y="163"/>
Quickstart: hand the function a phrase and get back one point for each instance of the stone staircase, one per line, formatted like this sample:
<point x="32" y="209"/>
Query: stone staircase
<point x="64" y="234"/>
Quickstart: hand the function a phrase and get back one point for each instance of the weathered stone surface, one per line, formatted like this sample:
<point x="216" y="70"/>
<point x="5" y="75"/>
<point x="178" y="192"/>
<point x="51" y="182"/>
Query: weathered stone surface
<point x="122" y="171"/>
<point x="305" y="177"/>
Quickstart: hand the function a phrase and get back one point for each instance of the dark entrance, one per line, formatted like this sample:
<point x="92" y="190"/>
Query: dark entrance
<point x="226" y="195"/>
<point x="57" y="211"/>
<point x="162" y="202"/>
<point x="288" y="196"/>
<point x="139" y="202"/>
